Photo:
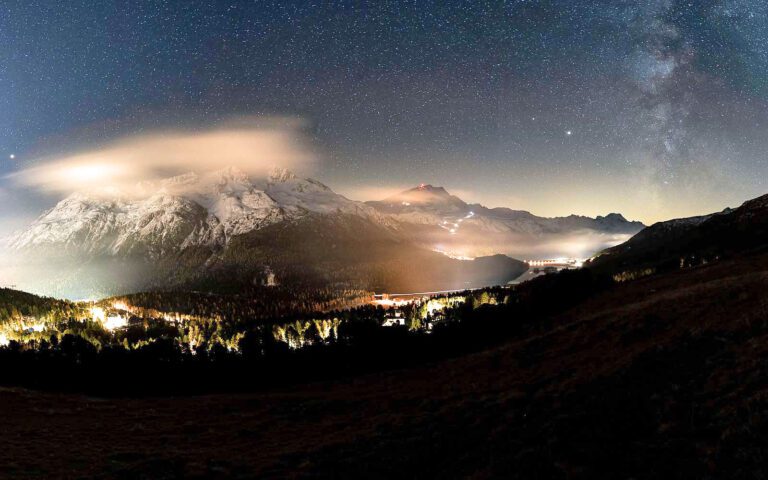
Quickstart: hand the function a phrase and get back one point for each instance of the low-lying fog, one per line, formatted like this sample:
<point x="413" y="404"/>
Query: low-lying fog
<point x="581" y="244"/>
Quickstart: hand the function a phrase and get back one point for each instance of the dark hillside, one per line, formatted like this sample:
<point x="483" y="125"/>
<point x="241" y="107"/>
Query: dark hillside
<point x="690" y="241"/>
<point x="350" y="252"/>
<point x="663" y="377"/>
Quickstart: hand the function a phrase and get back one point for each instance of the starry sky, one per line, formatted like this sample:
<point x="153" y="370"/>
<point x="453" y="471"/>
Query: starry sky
<point x="655" y="109"/>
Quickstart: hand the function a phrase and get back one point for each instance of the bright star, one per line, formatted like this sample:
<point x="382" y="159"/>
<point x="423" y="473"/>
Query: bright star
<point x="11" y="156"/>
<point x="568" y="132"/>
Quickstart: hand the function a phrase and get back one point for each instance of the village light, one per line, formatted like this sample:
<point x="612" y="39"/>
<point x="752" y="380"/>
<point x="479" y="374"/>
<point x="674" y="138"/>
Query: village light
<point x="98" y="314"/>
<point x="114" y="322"/>
<point x="120" y="306"/>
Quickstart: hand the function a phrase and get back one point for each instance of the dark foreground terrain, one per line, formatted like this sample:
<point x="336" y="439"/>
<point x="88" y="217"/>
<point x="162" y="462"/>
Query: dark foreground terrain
<point x="664" y="377"/>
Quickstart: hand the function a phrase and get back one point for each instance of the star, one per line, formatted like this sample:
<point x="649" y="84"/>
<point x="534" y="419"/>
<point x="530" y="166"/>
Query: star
<point x="682" y="88"/>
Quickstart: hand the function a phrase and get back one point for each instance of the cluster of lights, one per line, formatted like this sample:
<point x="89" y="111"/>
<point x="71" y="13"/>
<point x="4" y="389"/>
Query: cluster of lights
<point x="453" y="227"/>
<point x="571" y="262"/>
<point x="110" y="322"/>
<point x="121" y="306"/>
<point x="117" y="316"/>
<point x="389" y="302"/>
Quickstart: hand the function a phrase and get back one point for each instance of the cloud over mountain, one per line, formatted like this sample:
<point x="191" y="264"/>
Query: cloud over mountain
<point x="122" y="164"/>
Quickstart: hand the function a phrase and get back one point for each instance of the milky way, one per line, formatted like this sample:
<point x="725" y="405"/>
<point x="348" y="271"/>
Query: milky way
<point x="655" y="108"/>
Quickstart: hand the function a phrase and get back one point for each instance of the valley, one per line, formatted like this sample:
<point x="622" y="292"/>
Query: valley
<point x="555" y="400"/>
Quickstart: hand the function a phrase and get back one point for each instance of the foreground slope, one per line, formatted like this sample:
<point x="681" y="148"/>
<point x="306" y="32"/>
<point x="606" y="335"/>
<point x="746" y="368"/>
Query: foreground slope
<point x="663" y="377"/>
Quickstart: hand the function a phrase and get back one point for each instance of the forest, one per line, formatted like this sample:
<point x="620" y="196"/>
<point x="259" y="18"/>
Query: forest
<point x="138" y="344"/>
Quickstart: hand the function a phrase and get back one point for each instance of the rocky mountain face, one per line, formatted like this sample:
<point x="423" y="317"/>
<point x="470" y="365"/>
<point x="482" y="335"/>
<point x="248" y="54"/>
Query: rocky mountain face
<point x="181" y="212"/>
<point x="435" y="217"/>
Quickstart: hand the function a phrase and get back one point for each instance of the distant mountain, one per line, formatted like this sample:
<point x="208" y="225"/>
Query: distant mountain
<point x="223" y="230"/>
<point x="344" y="250"/>
<point x="435" y="217"/>
<point x="690" y="241"/>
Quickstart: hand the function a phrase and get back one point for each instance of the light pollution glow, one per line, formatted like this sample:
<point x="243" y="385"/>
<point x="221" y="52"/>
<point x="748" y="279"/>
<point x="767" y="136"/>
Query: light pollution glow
<point x="125" y="163"/>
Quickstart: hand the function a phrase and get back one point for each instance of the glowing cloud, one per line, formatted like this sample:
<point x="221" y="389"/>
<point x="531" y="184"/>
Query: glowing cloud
<point x="124" y="163"/>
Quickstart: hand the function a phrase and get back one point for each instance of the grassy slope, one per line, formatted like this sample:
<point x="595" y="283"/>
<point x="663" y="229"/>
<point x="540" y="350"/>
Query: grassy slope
<point x="665" y="377"/>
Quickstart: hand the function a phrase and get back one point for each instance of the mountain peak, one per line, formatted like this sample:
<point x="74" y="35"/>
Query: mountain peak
<point x="613" y="217"/>
<point x="280" y="175"/>
<point x="424" y="194"/>
<point x="231" y="173"/>
<point x="427" y="188"/>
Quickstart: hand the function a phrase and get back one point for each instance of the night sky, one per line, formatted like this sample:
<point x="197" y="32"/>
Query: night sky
<point x="655" y="109"/>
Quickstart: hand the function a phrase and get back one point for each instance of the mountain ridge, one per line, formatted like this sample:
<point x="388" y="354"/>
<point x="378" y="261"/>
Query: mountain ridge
<point x="181" y="230"/>
<point x="224" y="225"/>
<point x="688" y="242"/>
<point x="233" y="204"/>
<point x="435" y="217"/>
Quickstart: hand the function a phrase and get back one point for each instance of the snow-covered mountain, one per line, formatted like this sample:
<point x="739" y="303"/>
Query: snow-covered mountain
<point x="439" y="218"/>
<point x="181" y="212"/>
<point x="224" y="230"/>
<point x="433" y="205"/>
<point x="208" y="210"/>
<point x="200" y="230"/>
